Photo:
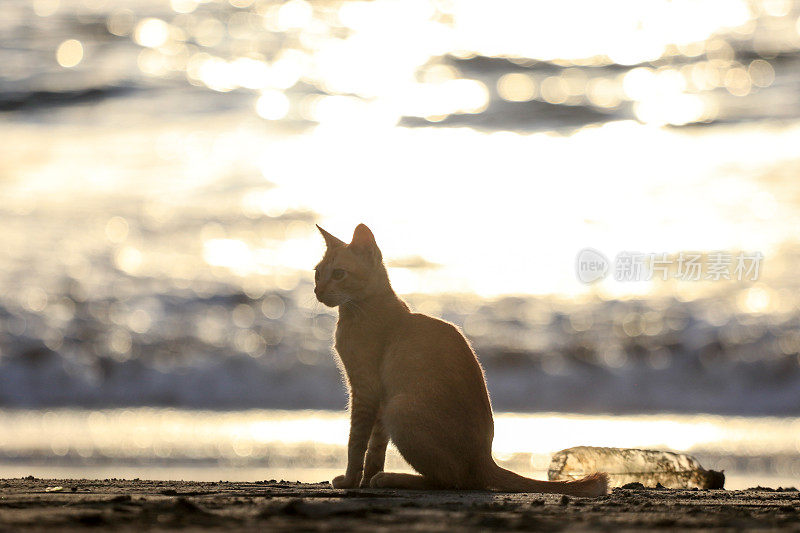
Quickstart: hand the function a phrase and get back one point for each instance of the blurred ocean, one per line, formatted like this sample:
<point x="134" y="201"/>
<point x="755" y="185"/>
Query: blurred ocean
<point x="310" y="446"/>
<point x="162" y="165"/>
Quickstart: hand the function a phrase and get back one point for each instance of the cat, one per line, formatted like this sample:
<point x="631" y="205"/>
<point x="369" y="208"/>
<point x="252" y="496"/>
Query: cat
<point x="413" y="379"/>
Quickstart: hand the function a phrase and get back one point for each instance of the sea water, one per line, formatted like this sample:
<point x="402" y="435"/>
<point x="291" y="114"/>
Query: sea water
<point x="310" y="446"/>
<point x="162" y="165"/>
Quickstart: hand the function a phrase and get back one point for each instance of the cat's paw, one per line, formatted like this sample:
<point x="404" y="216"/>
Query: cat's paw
<point x="344" y="482"/>
<point x="365" y="481"/>
<point x="378" y="480"/>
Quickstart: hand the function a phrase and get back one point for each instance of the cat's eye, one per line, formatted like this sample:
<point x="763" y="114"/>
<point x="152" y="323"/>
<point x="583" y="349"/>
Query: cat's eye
<point x="338" y="274"/>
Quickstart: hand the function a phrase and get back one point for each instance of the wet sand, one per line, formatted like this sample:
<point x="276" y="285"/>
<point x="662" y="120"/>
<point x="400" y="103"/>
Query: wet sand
<point x="63" y="504"/>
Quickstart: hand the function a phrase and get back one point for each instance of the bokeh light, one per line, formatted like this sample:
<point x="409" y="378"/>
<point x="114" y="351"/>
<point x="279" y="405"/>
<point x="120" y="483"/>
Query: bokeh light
<point x="272" y="105"/>
<point x="69" y="53"/>
<point x="162" y="178"/>
<point x="151" y="32"/>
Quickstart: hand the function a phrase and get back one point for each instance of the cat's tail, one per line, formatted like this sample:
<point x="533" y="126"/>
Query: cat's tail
<point x="590" y="486"/>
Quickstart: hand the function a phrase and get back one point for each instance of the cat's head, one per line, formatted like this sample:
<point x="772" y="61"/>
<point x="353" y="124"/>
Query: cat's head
<point x="349" y="272"/>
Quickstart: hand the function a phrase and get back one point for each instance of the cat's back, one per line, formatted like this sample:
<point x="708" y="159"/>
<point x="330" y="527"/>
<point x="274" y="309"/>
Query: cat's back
<point x="431" y="363"/>
<point x="429" y="333"/>
<point x="426" y="347"/>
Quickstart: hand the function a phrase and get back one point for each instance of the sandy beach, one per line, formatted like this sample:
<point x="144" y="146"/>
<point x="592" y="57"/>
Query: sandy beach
<point x="46" y="504"/>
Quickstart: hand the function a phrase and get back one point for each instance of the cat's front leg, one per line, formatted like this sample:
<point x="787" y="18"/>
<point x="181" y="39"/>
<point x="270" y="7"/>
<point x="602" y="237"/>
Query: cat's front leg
<point x="363" y="413"/>
<point x="376" y="452"/>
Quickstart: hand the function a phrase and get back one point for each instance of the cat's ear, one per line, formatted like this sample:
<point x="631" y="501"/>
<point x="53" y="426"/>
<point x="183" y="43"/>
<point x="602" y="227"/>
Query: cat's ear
<point x="364" y="242"/>
<point x="330" y="240"/>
